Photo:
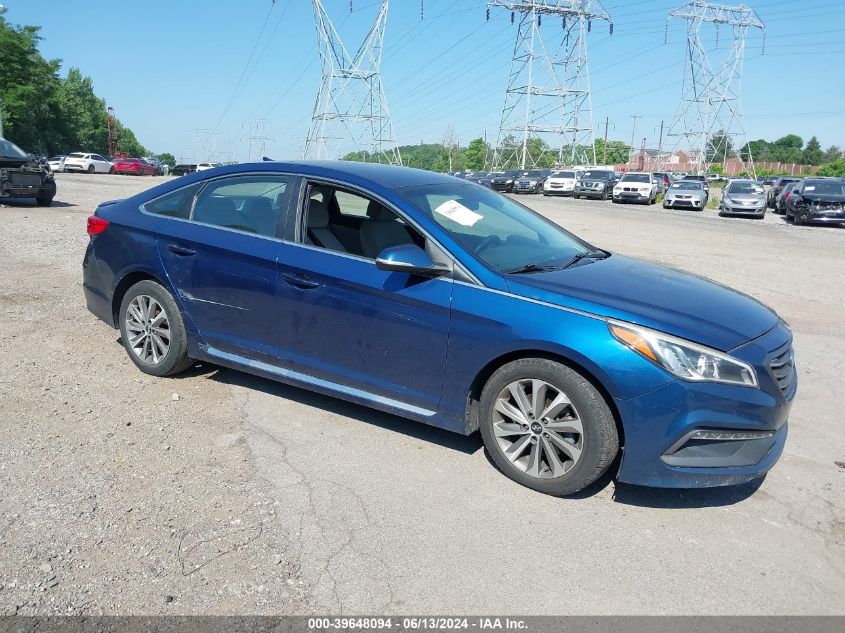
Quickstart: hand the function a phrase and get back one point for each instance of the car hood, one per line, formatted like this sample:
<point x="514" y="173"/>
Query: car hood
<point x="746" y="197"/>
<point x="589" y="181"/>
<point x="654" y="296"/>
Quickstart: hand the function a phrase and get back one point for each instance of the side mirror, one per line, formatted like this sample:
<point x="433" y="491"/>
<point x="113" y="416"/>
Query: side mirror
<point x="408" y="258"/>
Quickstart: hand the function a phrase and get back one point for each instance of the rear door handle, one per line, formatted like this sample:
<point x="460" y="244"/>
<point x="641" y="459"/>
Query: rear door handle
<point x="299" y="280"/>
<point x="181" y="250"/>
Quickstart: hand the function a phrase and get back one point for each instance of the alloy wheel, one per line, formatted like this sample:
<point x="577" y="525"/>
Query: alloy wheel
<point x="538" y="428"/>
<point x="148" y="329"/>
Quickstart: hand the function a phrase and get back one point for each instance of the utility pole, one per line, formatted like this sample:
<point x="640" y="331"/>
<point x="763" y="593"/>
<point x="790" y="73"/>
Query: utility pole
<point x="604" y="156"/>
<point x="421" y="154"/>
<point x="642" y="155"/>
<point x="1" y="107"/>
<point x="660" y="160"/>
<point x="633" y="133"/>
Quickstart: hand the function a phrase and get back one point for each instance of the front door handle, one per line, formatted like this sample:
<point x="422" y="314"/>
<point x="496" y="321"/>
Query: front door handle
<point x="299" y="280"/>
<point x="181" y="250"/>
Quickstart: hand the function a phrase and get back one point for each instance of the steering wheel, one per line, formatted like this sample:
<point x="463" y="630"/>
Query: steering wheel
<point x="488" y="242"/>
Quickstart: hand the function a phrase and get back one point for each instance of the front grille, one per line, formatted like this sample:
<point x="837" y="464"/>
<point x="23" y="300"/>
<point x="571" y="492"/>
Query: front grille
<point x="782" y="367"/>
<point x="25" y="180"/>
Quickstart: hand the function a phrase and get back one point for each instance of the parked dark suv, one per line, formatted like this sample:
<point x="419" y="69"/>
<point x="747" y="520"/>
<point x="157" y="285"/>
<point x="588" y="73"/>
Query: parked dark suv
<point x="777" y="189"/>
<point x="596" y="183"/>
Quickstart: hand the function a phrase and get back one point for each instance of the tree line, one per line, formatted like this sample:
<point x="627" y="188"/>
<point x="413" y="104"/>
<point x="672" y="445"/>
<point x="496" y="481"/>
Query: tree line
<point x="45" y="113"/>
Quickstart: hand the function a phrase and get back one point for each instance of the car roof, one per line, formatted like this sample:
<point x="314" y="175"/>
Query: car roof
<point x="386" y="175"/>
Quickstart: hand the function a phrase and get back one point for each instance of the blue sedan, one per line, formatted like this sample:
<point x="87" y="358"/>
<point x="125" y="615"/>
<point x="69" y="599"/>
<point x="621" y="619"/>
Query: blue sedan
<point x="447" y="303"/>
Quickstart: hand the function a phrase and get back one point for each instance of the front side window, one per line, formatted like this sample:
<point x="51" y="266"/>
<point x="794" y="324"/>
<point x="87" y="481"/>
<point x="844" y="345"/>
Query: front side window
<point x="347" y="222"/>
<point x="245" y="203"/>
<point x="502" y="233"/>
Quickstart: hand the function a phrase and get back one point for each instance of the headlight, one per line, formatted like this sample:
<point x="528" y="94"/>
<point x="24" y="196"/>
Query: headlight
<point x="507" y="182"/>
<point x="578" y="183"/>
<point x="684" y="359"/>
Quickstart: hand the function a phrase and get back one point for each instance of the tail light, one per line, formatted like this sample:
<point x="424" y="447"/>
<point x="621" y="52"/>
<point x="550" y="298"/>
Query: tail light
<point x="96" y="225"/>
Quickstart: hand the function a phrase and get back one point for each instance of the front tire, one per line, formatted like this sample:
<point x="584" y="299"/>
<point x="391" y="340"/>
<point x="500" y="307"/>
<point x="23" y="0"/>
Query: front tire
<point x="45" y="198"/>
<point x="90" y="169"/>
<point x="546" y="426"/>
<point x="152" y="330"/>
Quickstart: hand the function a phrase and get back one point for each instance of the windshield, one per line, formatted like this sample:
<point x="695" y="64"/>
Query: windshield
<point x="598" y="175"/>
<point x="563" y="174"/>
<point x="744" y="187"/>
<point x="502" y="233"/>
<point x="825" y="187"/>
<point x="687" y="184"/>
<point x="534" y="173"/>
<point x="636" y="178"/>
<point x="10" y="150"/>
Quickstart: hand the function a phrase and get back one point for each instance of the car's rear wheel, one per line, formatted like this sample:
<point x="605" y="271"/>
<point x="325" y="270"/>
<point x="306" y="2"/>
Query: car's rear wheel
<point x="546" y="426"/>
<point x="152" y="330"/>
<point x="112" y="171"/>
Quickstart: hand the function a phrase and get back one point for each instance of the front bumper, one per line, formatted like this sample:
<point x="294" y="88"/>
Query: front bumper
<point x="501" y="186"/>
<point x="674" y="203"/>
<point x="824" y="217"/>
<point x="590" y="193"/>
<point x="742" y="430"/>
<point x="524" y="188"/>
<point x="552" y="189"/>
<point x="631" y="196"/>
<point x="743" y="209"/>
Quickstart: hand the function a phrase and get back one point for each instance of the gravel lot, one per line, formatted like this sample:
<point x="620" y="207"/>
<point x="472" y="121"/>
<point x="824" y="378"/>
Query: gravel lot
<point x="217" y="492"/>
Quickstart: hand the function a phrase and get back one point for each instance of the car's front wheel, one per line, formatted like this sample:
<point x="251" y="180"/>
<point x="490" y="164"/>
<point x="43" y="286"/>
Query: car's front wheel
<point x="546" y="426"/>
<point x="152" y="330"/>
<point x="90" y="169"/>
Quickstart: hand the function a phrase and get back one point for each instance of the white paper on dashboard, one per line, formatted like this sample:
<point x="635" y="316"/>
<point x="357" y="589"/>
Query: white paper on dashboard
<point x="457" y="212"/>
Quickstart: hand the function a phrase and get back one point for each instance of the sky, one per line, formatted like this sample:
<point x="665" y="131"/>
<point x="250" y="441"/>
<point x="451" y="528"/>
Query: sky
<point x="172" y="69"/>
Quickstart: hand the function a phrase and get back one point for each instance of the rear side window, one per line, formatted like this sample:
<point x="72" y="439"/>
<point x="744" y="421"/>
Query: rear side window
<point x="174" y="205"/>
<point x="245" y="203"/>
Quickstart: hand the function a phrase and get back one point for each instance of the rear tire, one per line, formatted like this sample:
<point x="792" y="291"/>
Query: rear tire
<point x="557" y="443"/>
<point x="152" y="330"/>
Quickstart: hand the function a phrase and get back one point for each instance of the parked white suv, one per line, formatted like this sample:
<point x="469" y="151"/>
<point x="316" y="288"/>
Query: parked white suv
<point x="636" y="187"/>
<point x="91" y="163"/>
<point x="561" y="183"/>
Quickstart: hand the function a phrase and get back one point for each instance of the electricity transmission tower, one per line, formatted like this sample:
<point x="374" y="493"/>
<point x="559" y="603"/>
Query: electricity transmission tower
<point x="547" y="102"/>
<point x="257" y="140"/>
<point x="708" y="124"/>
<point x="350" y="113"/>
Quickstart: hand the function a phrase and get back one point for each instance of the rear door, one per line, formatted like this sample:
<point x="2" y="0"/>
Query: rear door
<point x="222" y="260"/>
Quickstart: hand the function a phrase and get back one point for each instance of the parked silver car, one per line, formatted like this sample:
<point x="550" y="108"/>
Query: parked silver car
<point x="743" y="197"/>
<point x="685" y="194"/>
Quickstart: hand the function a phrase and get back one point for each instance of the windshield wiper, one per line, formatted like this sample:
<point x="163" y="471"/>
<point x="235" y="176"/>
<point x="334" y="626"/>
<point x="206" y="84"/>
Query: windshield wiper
<point x="531" y="268"/>
<point x="585" y="255"/>
<point x="544" y="268"/>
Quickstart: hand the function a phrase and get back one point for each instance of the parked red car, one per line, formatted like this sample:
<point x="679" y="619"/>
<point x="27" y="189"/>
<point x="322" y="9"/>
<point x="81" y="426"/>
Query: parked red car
<point x="136" y="166"/>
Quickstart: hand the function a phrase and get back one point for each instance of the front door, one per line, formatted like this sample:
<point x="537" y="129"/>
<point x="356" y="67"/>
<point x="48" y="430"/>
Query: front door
<point x="343" y="320"/>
